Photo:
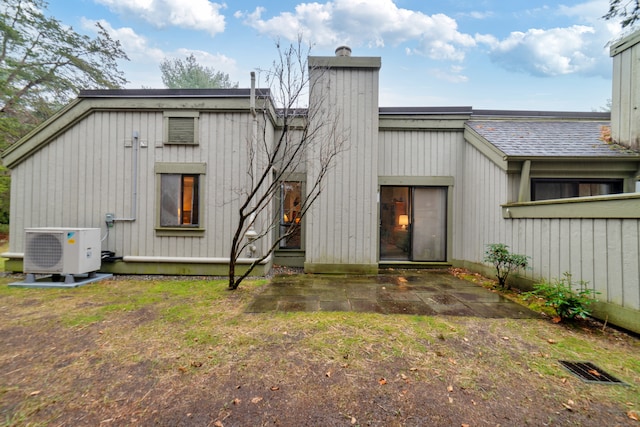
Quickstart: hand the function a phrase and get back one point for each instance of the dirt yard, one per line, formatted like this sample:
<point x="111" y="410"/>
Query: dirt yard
<point x="176" y="352"/>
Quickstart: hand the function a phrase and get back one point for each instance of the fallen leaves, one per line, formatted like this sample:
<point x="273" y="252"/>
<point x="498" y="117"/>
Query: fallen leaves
<point x="594" y="372"/>
<point x="605" y="134"/>
<point x="634" y="415"/>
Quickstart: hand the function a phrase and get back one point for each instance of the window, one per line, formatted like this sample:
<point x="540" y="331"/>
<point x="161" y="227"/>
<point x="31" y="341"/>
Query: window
<point x="179" y="195"/>
<point x="179" y="202"/>
<point x="413" y="223"/>
<point x="181" y="127"/>
<point x="551" y="188"/>
<point x="290" y="204"/>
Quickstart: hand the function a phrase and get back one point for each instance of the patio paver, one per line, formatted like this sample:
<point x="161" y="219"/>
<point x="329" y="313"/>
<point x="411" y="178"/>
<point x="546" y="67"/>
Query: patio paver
<point x="417" y="292"/>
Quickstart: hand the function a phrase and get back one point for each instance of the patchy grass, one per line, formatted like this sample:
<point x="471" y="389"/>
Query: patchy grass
<point x="4" y="247"/>
<point x="183" y="352"/>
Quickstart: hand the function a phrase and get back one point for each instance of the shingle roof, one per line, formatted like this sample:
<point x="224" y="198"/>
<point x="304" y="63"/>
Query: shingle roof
<point x="547" y="138"/>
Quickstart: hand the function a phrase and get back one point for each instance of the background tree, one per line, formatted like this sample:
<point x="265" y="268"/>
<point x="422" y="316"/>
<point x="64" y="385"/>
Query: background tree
<point x="43" y="63"/>
<point x="628" y="10"/>
<point x="307" y="135"/>
<point x="188" y="74"/>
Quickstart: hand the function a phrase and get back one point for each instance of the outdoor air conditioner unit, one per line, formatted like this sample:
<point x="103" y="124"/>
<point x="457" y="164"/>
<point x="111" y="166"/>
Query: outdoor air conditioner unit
<point x="63" y="251"/>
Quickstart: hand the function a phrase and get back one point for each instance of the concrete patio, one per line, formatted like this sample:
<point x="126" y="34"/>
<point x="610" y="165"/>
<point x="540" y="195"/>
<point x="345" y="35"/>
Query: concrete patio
<point x="417" y="292"/>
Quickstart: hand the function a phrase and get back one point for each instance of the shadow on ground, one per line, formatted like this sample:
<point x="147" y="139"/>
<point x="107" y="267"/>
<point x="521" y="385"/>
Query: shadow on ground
<point x="420" y="292"/>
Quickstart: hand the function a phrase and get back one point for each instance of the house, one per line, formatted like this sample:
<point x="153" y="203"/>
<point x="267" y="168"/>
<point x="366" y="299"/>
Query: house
<point x="158" y="171"/>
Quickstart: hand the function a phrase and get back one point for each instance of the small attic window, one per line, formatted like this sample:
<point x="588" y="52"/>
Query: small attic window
<point x="181" y="127"/>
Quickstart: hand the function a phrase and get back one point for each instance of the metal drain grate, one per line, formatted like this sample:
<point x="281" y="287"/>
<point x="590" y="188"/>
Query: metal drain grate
<point x="590" y="373"/>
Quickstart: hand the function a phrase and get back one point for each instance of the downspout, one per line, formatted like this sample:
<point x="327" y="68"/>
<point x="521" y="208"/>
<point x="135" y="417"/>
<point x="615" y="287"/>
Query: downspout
<point x="251" y="233"/>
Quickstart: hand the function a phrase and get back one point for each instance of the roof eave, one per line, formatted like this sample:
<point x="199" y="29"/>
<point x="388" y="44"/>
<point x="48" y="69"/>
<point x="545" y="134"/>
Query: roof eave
<point x="571" y="158"/>
<point x="80" y="107"/>
<point x="492" y="152"/>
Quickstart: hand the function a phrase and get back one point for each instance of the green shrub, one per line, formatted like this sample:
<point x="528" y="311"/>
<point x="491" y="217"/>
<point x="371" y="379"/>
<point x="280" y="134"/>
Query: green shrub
<point x="504" y="261"/>
<point x="568" y="299"/>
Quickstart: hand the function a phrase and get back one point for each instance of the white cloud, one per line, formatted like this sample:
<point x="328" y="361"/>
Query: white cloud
<point x="576" y="49"/>
<point x="136" y="46"/>
<point x="200" y="15"/>
<point x="373" y="23"/>
<point x="479" y="15"/>
<point x="143" y="69"/>
<point x="590" y="12"/>
<point x="552" y="52"/>
<point x="452" y="75"/>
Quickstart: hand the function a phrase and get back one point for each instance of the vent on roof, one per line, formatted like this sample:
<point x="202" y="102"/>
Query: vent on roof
<point x="590" y="373"/>
<point x="343" y="51"/>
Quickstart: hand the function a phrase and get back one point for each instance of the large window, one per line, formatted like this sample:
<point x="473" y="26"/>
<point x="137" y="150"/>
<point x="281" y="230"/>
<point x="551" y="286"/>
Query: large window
<point x="413" y="223"/>
<point x="179" y="195"/>
<point x="551" y="188"/>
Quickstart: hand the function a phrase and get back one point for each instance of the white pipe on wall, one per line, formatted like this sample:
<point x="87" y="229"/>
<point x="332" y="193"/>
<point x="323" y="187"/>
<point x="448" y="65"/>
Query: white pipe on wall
<point x="135" y="258"/>
<point x="192" y="260"/>
<point x="134" y="184"/>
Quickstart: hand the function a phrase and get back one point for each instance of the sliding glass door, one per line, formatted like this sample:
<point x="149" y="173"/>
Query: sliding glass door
<point x="413" y="223"/>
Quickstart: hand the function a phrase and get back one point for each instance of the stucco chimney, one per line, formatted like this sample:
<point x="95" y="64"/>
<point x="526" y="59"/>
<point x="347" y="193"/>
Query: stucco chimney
<point x="625" y="101"/>
<point x="344" y="94"/>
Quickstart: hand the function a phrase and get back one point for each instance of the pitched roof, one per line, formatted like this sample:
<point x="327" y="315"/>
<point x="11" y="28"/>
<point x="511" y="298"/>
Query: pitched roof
<point x="548" y="138"/>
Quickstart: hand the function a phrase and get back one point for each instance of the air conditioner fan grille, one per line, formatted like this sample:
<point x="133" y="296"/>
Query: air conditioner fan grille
<point x="45" y="250"/>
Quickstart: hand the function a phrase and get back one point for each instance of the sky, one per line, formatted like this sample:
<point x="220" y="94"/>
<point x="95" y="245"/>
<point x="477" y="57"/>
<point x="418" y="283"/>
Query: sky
<point x="487" y="54"/>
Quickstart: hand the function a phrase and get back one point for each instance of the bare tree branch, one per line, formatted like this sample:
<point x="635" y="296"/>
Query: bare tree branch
<point x="303" y="131"/>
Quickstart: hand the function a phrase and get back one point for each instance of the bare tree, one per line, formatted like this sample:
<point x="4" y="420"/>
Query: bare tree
<point x="305" y="136"/>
